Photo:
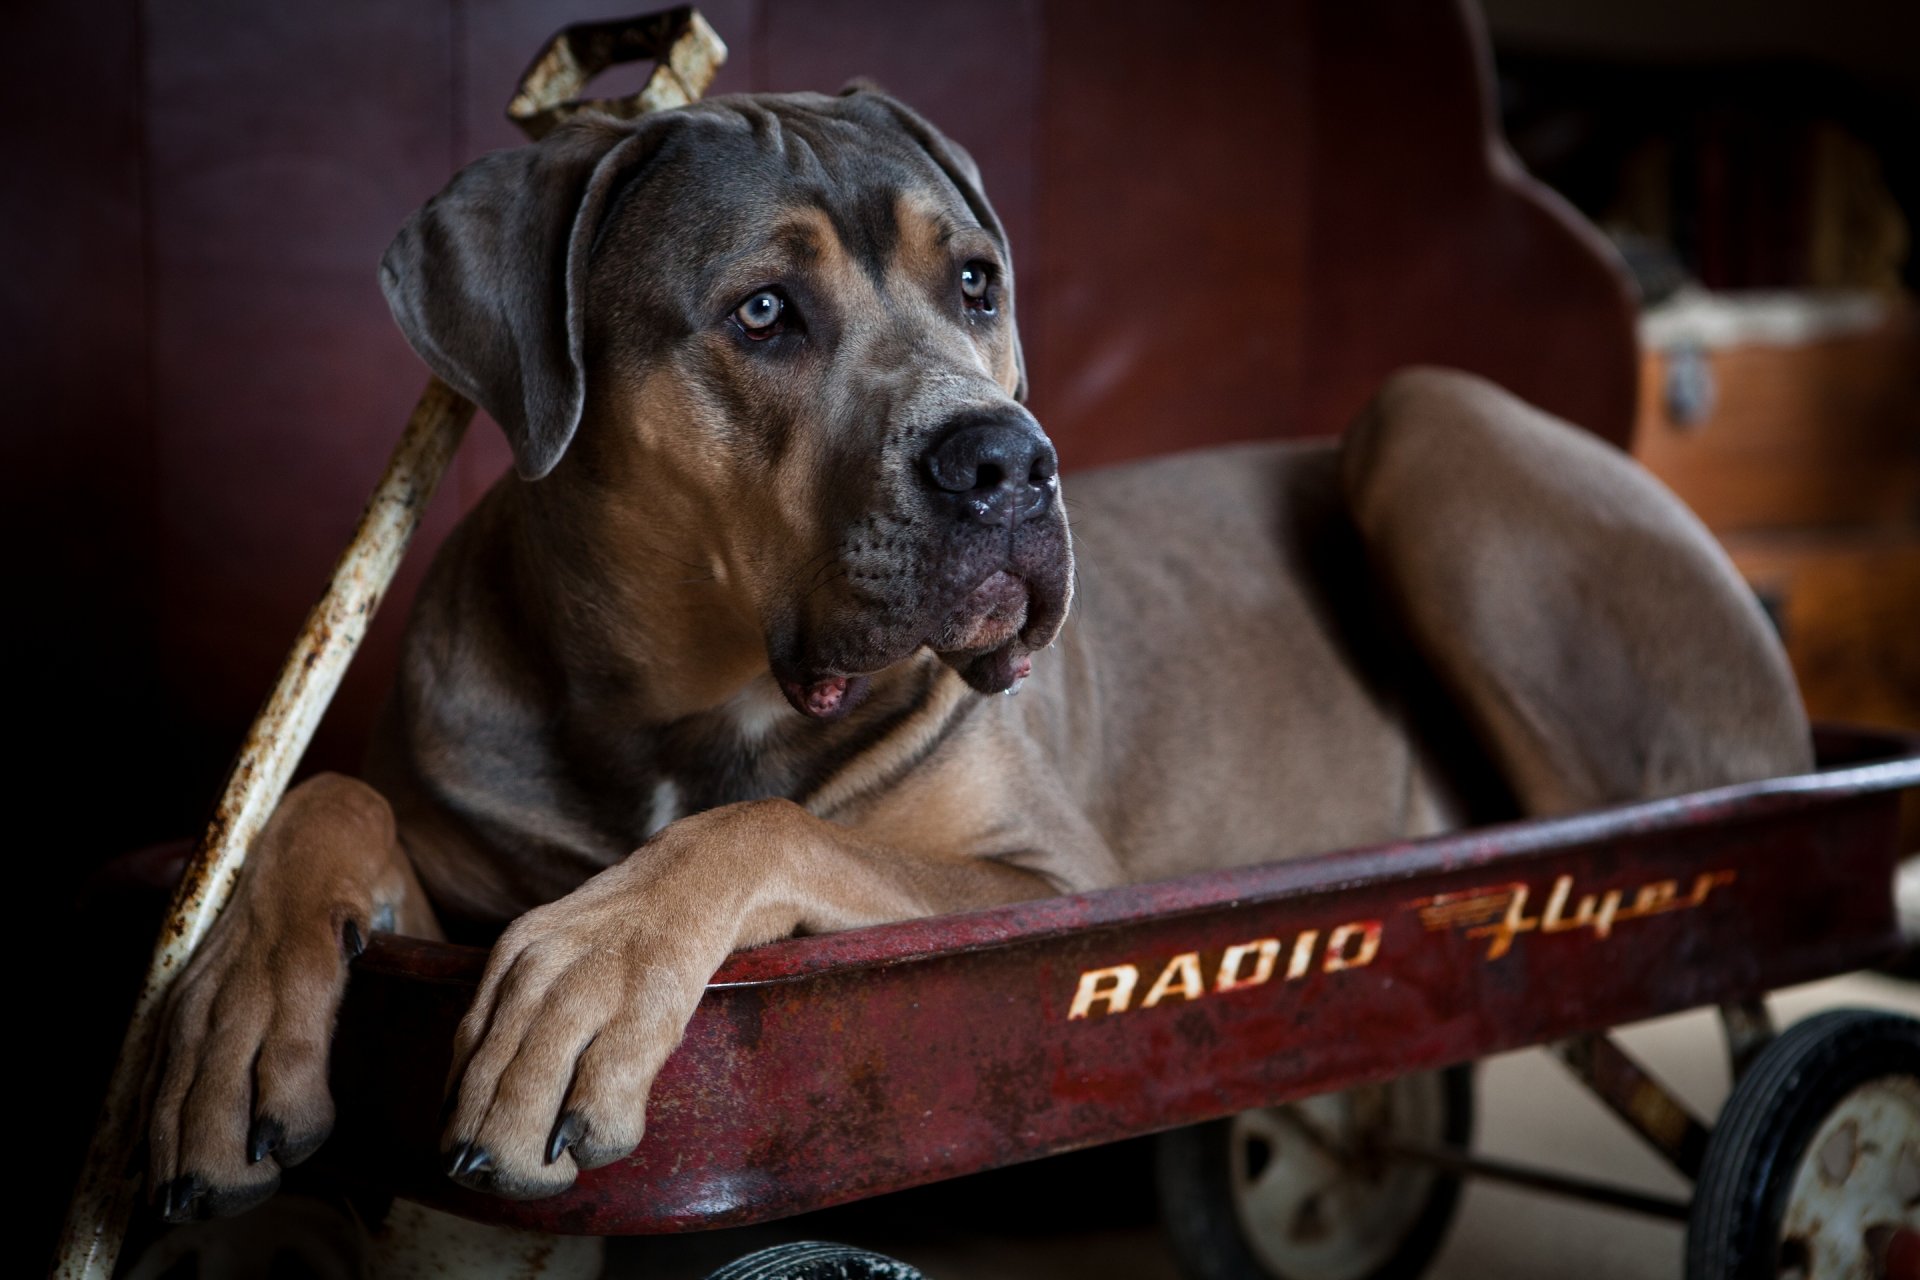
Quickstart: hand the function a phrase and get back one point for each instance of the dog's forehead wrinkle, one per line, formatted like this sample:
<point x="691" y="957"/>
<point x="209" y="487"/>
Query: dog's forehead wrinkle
<point x="861" y="216"/>
<point x="797" y="240"/>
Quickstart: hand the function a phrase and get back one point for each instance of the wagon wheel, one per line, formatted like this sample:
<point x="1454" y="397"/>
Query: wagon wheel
<point x="1813" y="1171"/>
<point x="1307" y="1191"/>
<point x="815" y="1260"/>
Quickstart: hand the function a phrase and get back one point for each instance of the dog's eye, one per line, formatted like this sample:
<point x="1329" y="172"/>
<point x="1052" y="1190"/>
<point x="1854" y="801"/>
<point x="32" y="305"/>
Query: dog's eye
<point x="760" y="315"/>
<point x="976" y="286"/>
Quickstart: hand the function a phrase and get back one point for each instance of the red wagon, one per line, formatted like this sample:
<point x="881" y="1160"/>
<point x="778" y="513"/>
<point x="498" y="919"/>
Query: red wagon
<point x="827" y="1069"/>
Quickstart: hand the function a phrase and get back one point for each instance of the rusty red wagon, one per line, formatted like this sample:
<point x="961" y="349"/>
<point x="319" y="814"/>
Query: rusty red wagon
<point x="1315" y="1015"/>
<point x="826" y="1069"/>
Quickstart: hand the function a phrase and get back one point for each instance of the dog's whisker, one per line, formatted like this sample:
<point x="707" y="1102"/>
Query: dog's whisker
<point x="668" y="556"/>
<point x="817" y="587"/>
<point x="823" y="574"/>
<point x="812" y="567"/>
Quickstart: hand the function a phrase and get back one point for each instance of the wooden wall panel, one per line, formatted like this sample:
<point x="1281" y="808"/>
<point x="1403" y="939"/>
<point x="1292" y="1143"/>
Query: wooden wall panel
<point x="285" y="144"/>
<point x="1175" y="158"/>
<point x="1425" y="252"/>
<point x="76" y="450"/>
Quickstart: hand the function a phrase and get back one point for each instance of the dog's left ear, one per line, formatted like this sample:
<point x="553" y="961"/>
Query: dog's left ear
<point x="960" y="169"/>
<point x="488" y="280"/>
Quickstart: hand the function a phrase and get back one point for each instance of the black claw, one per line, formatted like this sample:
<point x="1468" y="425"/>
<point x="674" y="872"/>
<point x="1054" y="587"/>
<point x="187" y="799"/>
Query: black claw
<point x="352" y="941"/>
<point x="457" y="1157"/>
<point x="565" y="1134"/>
<point x="178" y="1196"/>
<point x="266" y="1135"/>
<point x="471" y="1159"/>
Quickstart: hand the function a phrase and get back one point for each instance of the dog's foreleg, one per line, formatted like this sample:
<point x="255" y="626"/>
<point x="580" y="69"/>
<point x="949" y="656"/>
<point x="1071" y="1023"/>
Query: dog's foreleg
<point x="241" y="1087"/>
<point x="584" y="998"/>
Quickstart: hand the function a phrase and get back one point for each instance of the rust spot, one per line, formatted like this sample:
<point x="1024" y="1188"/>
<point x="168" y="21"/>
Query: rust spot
<point x="1839" y="1153"/>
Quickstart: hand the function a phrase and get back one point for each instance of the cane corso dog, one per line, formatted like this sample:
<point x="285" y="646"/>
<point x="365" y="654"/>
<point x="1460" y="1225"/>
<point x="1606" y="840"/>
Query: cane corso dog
<point x="721" y="662"/>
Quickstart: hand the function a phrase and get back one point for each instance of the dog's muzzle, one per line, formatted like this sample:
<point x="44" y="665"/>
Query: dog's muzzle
<point x="989" y="579"/>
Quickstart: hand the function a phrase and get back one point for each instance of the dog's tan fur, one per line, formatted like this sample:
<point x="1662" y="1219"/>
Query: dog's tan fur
<point x="1465" y="610"/>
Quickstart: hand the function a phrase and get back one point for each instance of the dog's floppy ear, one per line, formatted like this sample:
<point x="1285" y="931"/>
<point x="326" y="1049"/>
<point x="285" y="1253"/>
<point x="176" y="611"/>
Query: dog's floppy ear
<point x="960" y="169"/>
<point x="488" y="280"/>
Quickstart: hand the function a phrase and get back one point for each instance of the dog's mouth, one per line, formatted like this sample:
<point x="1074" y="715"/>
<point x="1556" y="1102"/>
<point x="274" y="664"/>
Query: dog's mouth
<point x="826" y="697"/>
<point x="988" y="638"/>
<point x="979" y="638"/>
<point x="982" y="606"/>
<point x="982" y="638"/>
<point x="990" y="615"/>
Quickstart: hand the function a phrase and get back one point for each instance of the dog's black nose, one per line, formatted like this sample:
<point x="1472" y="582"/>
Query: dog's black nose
<point x="995" y="471"/>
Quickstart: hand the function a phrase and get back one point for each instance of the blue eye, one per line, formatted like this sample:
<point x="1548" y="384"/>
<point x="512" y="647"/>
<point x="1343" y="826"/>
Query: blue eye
<point x="760" y="315"/>
<point x="976" y="283"/>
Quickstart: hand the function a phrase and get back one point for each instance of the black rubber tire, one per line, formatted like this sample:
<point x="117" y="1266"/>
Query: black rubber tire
<point x="1194" y="1172"/>
<point x="815" y="1260"/>
<point x="1739" y="1203"/>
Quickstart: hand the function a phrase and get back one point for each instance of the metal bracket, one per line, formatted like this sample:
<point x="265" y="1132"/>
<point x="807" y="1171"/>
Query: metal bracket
<point x="1749" y="1029"/>
<point x="1637" y="1098"/>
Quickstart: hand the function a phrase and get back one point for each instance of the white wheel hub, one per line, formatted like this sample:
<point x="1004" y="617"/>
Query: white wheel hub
<point x="1311" y="1197"/>
<point x="1857" y="1183"/>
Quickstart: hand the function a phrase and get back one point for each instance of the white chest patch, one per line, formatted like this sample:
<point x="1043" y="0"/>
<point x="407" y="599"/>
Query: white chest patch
<point x="756" y="709"/>
<point x="665" y="807"/>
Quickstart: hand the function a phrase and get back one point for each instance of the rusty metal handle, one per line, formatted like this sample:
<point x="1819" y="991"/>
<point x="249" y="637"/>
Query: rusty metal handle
<point x="688" y="54"/>
<point x="685" y="51"/>
<point x="103" y="1200"/>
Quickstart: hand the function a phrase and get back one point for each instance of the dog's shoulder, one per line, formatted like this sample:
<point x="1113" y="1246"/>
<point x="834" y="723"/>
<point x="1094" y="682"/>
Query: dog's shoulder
<point x="474" y="720"/>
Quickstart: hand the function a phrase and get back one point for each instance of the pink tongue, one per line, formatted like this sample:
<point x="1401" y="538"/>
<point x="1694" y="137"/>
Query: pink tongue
<point x="823" y="697"/>
<point x="827" y="698"/>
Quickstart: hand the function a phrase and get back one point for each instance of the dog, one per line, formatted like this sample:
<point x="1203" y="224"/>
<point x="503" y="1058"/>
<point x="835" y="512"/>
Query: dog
<point x="716" y="665"/>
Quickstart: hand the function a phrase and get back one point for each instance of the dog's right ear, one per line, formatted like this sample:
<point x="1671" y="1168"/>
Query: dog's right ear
<point x="488" y="280"/>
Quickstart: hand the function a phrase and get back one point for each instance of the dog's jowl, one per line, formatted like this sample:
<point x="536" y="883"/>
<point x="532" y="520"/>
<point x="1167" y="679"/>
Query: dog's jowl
<point x="716" y="664"/>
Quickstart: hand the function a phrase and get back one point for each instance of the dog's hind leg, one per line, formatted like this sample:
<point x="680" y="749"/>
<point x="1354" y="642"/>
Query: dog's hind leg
<point x="242" y="1080"/>
<point x="1590" y="629"/>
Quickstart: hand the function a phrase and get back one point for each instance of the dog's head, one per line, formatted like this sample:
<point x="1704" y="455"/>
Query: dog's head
<point x="782" y="328"/>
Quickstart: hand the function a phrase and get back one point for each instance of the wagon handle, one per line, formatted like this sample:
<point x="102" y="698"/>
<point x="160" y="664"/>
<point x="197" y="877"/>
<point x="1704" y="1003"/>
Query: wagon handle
<point x="687" y="55"/>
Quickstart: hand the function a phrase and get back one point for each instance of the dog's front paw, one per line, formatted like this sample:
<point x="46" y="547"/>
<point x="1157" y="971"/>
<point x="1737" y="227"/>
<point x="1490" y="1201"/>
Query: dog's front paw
<point x="241" y="1087"/>
<point x="242" y="1090"/>
<point x="581" y="1003"/>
